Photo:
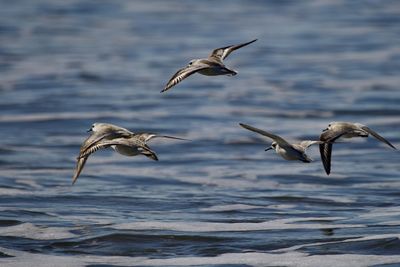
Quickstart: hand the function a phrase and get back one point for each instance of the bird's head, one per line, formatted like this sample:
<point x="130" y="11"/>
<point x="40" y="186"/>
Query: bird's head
<point x="273" y="146"/>
<point x="193" y="62"/>
<point x="97" y="127"/>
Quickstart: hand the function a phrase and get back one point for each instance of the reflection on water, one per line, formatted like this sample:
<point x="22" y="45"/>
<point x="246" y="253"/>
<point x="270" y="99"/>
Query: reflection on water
<point x="221" y="199"/>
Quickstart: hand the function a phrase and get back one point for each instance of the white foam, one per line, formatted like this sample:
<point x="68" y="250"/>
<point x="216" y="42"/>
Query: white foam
<point x="338" y="199"/>
<point x="236" y="207"/>
<point x="23" y="259"/>
<point x="232" y="207"/>
<point x="282" y="224"/>
<point x="292" y="258"/>
<point x="357" y="239"/>
<point x="14" y="192"/>
<point x="391" y="223"/>
<point x="381" y="212"/>
<point x="287" y="259"/>
<point x="29" y="230"/>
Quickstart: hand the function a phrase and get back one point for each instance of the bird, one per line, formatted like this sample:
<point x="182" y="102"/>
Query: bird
<point x="286" y="150"/>
<point x="337" y="130"/>
<point x="123" y="141"/>
<point x="211" y="66"/>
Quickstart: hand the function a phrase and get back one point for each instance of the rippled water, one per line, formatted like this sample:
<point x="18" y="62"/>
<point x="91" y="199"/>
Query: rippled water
<point x="219" y="200"/>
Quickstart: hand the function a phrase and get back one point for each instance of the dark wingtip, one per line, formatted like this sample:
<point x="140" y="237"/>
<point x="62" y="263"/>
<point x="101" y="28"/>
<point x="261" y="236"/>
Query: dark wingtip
<point x="252" y="41"/>
<point x="324" y="160"/>
<point x="166" y="88"/>
<point x="328" y="172"/>
<point x="245" y="126"/>
<point x="154" y="157"/>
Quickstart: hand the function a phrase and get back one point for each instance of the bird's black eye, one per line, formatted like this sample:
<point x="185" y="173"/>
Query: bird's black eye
<point x="190" y="63"/>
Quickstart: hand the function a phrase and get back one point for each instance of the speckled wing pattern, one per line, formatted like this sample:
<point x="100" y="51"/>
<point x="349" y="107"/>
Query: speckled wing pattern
<point x="183" y="74"/>
<point x="91" y="141"/>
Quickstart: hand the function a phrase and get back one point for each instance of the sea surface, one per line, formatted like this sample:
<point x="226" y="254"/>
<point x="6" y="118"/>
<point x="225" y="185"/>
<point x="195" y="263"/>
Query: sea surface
<point x="218" y="200"/>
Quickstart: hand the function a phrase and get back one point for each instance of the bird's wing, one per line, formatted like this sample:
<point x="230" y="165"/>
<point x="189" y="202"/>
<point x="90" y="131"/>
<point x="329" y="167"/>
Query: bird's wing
<point x="148" y="136"/>
<point x="183" y="74"/>
<point x="107" y="143"/>
<point x="220" y="54"/>
<point x="83" y="155"/>
<point x="328" y="135"/>
<point x="94" y="139"/>
<point x="325" y="150"/>
<point x="282" y="142"/>
<point x="377" y="136"/>
<point x="79" y="167"/>
<point x="327" y="138"/>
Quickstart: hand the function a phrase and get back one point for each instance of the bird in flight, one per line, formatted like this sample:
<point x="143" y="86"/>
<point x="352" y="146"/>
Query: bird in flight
<point x="343" y="130"/>
<point x="296" y="151"/>
<point x="211" y="66"/>
<point x="125" y="142"/>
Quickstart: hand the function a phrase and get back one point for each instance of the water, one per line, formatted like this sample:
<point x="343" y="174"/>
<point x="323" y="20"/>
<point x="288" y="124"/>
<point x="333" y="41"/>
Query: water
<point x="219" y="200"/>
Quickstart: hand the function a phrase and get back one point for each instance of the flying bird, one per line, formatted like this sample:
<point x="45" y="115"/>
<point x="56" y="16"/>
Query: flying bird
<point x="123" y="141"/>
<point x="211" y="66"/>
<point x="286" y="150"/>
<point x="343" y="130"/>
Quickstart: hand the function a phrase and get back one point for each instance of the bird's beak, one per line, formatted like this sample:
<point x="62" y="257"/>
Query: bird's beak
<point x="89" y="130"/>
<point x="326" y="129"/>
<point x="269" y="148"/>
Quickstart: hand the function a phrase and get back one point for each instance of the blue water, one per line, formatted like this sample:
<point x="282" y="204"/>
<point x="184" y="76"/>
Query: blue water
<point x="220" y="200"/>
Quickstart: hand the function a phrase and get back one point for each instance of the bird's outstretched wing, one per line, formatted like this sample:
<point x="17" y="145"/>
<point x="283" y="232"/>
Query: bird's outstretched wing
<point x="377" y="136"/>
<point x="325" y="151"/>
<point x="220" y="54"/>
<point x="325" y="148"/>
<point x="183" y="74"/>
<point x="148" y="136"/>
<point x="79" y="167"/>
<point x="94" y="139"/>
<point x="282" y="142"/>
<point x="97" y="146"/>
